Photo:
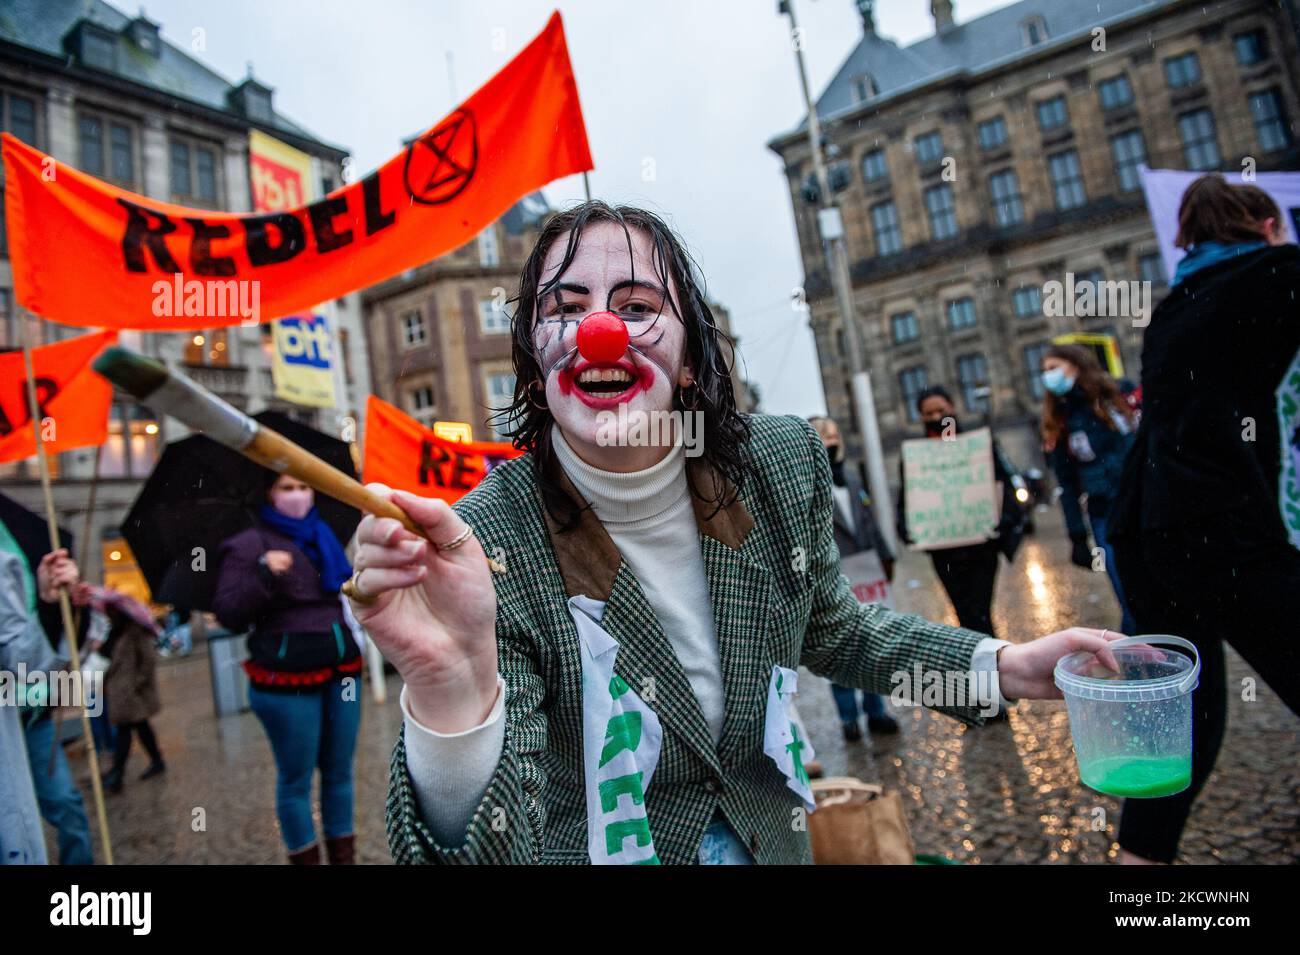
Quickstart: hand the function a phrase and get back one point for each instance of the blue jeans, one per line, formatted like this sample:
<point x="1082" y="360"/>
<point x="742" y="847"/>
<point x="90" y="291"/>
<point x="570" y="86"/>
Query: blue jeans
<point x="57" y="794"/>
<point x="311" y="730"/>
<point x="1127" y="625"/>
<point x="846" y="701"/>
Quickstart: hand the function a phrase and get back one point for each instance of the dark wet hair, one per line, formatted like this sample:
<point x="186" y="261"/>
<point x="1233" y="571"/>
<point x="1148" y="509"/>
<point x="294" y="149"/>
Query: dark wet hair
<point x="708" y="349"/>
<point x="1261" y="206"/>
<point x="1213" y="211"/>
<point x="934" y="391"/>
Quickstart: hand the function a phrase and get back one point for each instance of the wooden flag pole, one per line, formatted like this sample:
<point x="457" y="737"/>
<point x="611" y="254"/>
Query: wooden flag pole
<point x="65" y="604"/>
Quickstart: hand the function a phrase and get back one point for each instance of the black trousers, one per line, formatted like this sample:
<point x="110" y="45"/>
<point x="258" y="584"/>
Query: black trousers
<point x="968" y="574"/>
<point x="1224" y="579"/>
<point x="123" y="748"/>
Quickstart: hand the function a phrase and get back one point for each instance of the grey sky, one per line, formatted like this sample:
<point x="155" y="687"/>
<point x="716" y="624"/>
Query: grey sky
<point x="688" y="90"/>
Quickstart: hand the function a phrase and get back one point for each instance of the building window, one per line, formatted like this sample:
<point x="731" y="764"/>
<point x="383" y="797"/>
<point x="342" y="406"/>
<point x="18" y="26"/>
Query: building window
<point x="493" y="319"/>
<point x="972" y="378"/>
<point x="1115" y="92"/>
<point x="911" y="382"/>
<point x="1200" y="147"/>
<point x="1251" y="48"/>
<point x="131" y="448"/>
<point x="1027" y="300"/>
<point x="1130" y="151"/>
<point x="1152" y="269"/>
<point x="864" y="87"/>
<point x="1093" y="278"/>
<point x="422" y="404"/>
<point x="107" y="149"/>
<point x="904" y="327"/>
<point x="413" y="329"/>
<point x="20" y="117"/>
<point x="489" y="252"/>
<point x="499" y="390"/>
<point x="1067" y="180"/>
<point x="961" y="313"/>
<point x="1034" y="368"/>
<point x="1270" y="123"/>
<point x="929" y="148"/>
<point x="194" y="171"/>
<point x="884" y="221"/>
<point x="1052" y="113"/>
<point x="1183" y="70"/>
<point x="1033" y="31"/>
<point x="1004" y="187"/>
<point x="874" y="168"/>
<point x="939" y="205"/>
<point x="210" y="347"/>
<point x="992" y="132"/>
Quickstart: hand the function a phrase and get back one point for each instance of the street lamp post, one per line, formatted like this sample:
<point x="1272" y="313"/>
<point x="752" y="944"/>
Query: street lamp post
<point x="830" y="226"/>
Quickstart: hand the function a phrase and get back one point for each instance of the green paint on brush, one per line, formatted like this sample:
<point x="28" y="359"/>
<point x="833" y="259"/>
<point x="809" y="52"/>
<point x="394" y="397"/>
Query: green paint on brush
<point x="135" y="374"/>
<point x="1137" y="776"/>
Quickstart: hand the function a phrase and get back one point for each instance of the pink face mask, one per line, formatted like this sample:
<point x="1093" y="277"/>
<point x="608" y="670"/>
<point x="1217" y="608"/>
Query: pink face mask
<point x="294" y="504"/>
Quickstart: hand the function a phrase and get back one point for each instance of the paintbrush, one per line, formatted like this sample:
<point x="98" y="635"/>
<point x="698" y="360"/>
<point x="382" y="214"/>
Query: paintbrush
<point x="200" y="410"/>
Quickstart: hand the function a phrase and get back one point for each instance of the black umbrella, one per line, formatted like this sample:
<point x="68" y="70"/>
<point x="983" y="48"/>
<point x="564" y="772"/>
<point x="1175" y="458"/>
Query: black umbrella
<point x="200" y="493"/>
<point x="32" y="535"/>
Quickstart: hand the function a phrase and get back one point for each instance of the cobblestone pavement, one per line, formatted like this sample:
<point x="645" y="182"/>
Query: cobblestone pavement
<point x="1004" y="793"/>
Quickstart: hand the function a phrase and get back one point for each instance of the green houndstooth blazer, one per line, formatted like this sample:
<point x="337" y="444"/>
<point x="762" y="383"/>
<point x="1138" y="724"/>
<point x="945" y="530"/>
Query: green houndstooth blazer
<point x="778" y="598"/>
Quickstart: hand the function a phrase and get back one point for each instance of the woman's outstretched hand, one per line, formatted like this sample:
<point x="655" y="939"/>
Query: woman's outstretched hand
<point x="435" y="613"/>
<point x="1025" y="670"/>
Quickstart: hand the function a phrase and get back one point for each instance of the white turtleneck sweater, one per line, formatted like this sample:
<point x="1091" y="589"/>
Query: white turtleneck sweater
<point x="649" y="516"/>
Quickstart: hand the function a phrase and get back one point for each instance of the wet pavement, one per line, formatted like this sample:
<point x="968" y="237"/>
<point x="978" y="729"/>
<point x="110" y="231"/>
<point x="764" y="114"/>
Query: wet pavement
<point x="1003" y="793"/>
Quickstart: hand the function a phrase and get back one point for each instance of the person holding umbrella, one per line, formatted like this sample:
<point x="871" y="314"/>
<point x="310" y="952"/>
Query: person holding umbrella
<point x="130" y="685"/>
<point x="280" y="578"/>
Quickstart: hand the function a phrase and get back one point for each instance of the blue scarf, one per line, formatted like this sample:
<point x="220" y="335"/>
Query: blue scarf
<point x="1205" y="254"/>
<point x="314" y="537"/>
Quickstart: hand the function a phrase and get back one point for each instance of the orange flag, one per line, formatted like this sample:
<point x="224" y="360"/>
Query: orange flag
<point x="73" y="401"/>
<point x="404" y="454"/>
<point x="87" y="253"/>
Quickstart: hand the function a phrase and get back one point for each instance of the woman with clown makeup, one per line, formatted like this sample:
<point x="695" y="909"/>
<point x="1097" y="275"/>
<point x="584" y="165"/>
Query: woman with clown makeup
<point x="600" y="648"/>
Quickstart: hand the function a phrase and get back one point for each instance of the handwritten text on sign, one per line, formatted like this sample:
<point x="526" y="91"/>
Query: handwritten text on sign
<point x="949" y="490"/>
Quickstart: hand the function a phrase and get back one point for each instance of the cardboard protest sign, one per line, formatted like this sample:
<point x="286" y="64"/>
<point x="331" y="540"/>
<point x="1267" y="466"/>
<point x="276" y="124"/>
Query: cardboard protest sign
<point x="867" y="578"/>
<point x="72" y="400"/>
<point x="405" y="455"/>
<point x="88" y="253"/>
<point x="949" y="490"/>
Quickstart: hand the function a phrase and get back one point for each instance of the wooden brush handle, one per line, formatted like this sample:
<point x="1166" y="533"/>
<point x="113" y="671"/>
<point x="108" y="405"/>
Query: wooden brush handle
<point x="273" y="450"/>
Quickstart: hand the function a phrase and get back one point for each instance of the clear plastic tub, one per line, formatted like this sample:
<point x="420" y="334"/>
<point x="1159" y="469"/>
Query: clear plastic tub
<point x="1132" y="729"/>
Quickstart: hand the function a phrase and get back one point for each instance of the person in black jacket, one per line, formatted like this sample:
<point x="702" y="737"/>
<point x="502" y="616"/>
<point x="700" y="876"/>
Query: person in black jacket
<point x="1087" y="431"/>
<point x="967" y="572"/>
<point x="1200" y="541"/>
<point x="856" y="531"/>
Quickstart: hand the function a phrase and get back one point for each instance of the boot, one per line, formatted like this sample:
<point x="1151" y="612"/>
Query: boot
<point x="156" y="768"/>
<point x="308" y="856"/>
<point x="341" y="850"/>
<point x="112" y="780"/>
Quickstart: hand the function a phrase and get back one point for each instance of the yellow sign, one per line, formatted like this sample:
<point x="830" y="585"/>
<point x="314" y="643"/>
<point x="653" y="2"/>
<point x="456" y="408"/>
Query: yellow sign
<point x="1105" y="347"/>
<point x="453" y="431"/>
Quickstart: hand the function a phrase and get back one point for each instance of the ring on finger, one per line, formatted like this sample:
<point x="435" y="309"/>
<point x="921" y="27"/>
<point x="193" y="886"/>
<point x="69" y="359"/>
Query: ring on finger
<point x="352" y="590"/>
<point x="459" y="539"/>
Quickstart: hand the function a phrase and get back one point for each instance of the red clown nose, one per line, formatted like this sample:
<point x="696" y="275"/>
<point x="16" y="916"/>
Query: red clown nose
<point x="602" y="336"/>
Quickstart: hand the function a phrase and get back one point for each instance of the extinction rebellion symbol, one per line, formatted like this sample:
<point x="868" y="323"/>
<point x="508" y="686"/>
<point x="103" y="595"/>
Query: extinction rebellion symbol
<point x="440" y="164"/>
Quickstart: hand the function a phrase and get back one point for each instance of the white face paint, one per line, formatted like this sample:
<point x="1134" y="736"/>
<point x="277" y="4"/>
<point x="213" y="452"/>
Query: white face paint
<point x="603" y="277"/>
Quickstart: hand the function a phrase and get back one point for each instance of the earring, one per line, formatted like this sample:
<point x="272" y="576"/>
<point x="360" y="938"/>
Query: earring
<point x="532" y="387"/>
<point x="693" y="391"/>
